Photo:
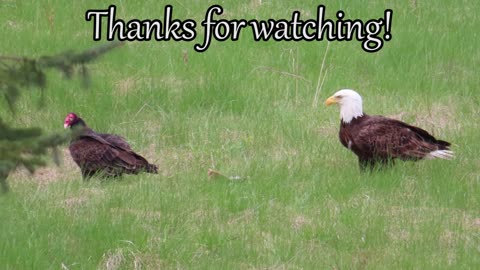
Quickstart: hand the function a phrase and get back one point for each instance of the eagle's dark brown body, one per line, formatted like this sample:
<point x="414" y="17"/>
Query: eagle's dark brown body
<point x="377" y="139"/>
<point x="105" y="155"/>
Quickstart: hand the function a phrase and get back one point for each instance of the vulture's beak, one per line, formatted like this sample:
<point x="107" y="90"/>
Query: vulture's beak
<point x="331" y="100"/>
<point x="65" y="126"/>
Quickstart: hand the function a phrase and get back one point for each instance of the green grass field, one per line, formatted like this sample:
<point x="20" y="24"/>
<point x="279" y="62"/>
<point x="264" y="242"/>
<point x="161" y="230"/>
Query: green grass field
<point x="245" y="108"/>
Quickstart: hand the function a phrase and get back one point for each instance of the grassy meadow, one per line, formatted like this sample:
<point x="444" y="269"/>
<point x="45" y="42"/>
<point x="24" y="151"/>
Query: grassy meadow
<point x="247" y="109"/>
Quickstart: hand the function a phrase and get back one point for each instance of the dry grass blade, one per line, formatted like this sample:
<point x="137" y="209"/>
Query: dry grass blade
<point x="321" y="78"/>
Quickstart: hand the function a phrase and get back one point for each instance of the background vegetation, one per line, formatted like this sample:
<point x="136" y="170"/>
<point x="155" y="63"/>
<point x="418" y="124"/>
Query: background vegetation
<point x="245" y="108"/>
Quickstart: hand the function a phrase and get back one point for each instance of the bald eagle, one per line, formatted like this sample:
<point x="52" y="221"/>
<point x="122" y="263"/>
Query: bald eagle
<point x="380" y="140"/>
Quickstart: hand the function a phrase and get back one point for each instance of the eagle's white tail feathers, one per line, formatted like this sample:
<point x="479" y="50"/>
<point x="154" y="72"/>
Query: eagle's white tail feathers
<point x="443" y="154"/>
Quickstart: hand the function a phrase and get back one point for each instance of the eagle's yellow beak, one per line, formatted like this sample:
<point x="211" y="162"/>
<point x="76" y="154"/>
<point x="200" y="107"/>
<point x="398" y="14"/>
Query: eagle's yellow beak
<point x="331" y="100"/>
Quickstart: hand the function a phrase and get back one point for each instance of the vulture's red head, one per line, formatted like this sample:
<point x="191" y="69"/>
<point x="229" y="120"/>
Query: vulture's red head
<point x="70" y="120"/>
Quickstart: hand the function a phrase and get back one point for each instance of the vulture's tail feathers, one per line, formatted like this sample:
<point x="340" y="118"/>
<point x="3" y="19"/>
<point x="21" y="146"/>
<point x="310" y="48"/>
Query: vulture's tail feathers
<point x="151" y="168"/>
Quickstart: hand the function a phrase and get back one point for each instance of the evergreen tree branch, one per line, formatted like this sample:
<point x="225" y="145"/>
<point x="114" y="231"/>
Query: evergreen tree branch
<point x="27" y="146"/>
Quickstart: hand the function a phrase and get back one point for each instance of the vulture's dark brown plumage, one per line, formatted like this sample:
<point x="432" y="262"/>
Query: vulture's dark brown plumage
<point x="377" y="139"/>
<point x="106" y="155"/>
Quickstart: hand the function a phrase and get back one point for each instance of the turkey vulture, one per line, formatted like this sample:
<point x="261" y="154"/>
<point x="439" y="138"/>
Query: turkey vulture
<point x="107" y="155"/>
<point x="377" y="139"/>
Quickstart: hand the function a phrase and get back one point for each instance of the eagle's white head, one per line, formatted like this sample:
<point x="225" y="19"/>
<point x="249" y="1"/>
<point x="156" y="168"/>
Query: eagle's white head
<point x="350" y="103"/>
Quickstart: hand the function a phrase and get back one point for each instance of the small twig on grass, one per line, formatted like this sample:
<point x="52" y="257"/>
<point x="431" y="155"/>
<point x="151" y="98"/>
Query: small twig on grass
<point x="216" y="174"/>
<point x="281" y="72"/>
<point x="131" y="122"/>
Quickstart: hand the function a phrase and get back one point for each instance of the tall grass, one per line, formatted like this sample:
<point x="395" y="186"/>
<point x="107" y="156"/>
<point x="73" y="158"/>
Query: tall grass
<point x="245" y="108"/>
